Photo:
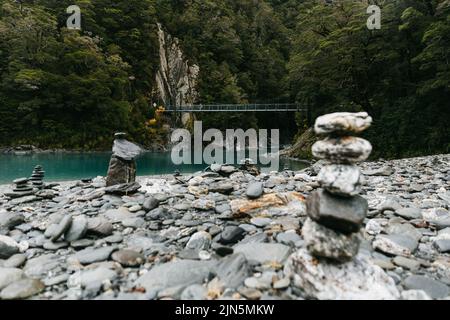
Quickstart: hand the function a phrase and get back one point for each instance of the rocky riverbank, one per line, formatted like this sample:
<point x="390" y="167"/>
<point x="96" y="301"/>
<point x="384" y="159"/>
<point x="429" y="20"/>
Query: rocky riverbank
<point x="24" y="150"/>
<point x="225" y="234"/>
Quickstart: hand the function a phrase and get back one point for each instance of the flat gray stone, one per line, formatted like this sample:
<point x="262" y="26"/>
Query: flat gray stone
<point x="134" y="223"/>
<point x="52" y="281"/>
<point x="51" y="229"/>
<point x="77" y="229"/>
<point x="221" y="187"/>
<point x="125" y="149"/>
<point x="8" y="220"/>
<point x="289" y="237"/>
<point x="435" y="289"/>
<point x="92" y="255"/>
<point x="150" y="203"/>
<point x="8" y="247"/>
<point x="123" y="189"/>
<point x="233" y="270"/>
<point x="82" y="243"/>
<point x="323" y="242"/>
<point x="407" y="263"/>
<point x="442" y="245"/>
<point x="445" y="196"/>
<point x="9" y="275"/>
<point x="128" y="258"/>
<point x="255" y="190"/>
<point x="261" y="222"/>
<point x="22" y="289"/>
<point x="118" y="215"/>
<point x="115" y="238"/>
<point x="194" y="292"/>
<point x="338" y="213"/>
<point x="415" y="295"/>
<point x="203" y="204"/>
<point x="137" y="242"/>
<point x="199" y="241"/>
<point x="39" y="267"/>
<point x="100" y="226"/>
<point x="342" y="123"/>
<point x="23" y="200"/>
<point x="383" y="171"/>
<point x="231" y="234"/>
<point x="180" y="273"/>
<point x="263" y="252"/>
<point x="53" y="246"/>
<point x="342" y="149"/>
<point x="282" y="284"/>
<point x="15" y="261"/>
<point x="396" y="245"/>
<point x="409" y="213"/>
<point x="91" y="280"/>
<point x="404" y="229"/>
<point x="63" y="226"/>
<point x="389" y="204"/>
<point x="339" y="179"/>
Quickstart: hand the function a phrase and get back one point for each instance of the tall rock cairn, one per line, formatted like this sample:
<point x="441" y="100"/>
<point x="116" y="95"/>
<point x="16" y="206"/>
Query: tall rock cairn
<point x="122" y="166"/>
<point x="37" y="177"/>
<point x="336" y="211"/>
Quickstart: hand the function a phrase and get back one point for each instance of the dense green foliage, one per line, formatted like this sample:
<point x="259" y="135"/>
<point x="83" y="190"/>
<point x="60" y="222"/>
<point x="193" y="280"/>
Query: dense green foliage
<point x="399" y="74"/>
<point x="72" y="89"/>
<point x="65" y="88"/>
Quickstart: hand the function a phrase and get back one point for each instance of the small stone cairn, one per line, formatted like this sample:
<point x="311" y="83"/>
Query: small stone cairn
<point x="21" y="188"/>
<point x="336" y="211"/>
<point x="37" y="177"/>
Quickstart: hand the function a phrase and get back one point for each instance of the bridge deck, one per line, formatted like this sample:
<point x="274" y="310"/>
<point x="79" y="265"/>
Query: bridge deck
<point x="275" y="107"/>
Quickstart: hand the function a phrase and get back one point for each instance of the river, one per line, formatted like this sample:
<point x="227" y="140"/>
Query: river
<point x="73" y="166"/>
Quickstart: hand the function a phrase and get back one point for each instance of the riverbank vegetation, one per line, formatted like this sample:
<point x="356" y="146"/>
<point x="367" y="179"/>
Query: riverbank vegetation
<point x="71" y="89"/>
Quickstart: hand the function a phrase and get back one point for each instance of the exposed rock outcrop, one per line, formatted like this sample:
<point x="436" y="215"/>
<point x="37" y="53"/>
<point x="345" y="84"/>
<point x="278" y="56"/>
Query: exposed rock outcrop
<point x="176" y="78"/>
<point x="302" y="147"/>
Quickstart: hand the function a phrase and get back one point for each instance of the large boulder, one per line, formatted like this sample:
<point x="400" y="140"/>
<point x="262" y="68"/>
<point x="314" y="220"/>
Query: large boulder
<point x="120" y="171"/>
<point x="326" y="243"/>
<point x="339" y="213"/>
<point x="358" y="279"/>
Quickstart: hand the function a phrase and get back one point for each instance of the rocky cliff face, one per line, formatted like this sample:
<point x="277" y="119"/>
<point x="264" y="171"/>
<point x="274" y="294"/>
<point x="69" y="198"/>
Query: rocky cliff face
<point x="302" y="147"/>
<point x="176" y="78"/>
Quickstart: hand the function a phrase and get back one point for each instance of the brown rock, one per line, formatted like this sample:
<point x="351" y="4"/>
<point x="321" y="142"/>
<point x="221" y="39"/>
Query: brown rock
<point x="120" y="171"/>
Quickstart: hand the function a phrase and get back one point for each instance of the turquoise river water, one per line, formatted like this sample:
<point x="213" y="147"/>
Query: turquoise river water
<point x="73" y="166"/>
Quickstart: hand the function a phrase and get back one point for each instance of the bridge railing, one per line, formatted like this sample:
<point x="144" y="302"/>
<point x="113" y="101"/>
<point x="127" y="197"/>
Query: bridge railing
<point x="236" y="107"/>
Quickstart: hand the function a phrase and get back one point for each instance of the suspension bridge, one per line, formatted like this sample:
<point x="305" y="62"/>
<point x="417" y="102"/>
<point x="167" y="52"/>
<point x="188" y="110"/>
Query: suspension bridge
<point x="251" y="107"/>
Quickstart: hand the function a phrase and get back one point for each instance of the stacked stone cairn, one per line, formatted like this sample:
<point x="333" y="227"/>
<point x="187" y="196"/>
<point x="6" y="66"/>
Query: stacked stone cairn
<point x="21" y="188"/>
<point x="336" y="211"/>
<point x="122" y="166"/>
<point x="37" y="177"/>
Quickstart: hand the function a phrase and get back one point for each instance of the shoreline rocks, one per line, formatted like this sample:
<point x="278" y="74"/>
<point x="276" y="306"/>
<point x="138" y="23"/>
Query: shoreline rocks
<point x="221" y="244"/>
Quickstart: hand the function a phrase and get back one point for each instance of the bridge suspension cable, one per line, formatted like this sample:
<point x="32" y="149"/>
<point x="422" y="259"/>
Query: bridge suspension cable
<point x="250" y="107"/>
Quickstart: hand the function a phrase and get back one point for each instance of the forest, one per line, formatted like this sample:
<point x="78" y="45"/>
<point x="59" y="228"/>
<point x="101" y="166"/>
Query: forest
<point x="73" y="89"/>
